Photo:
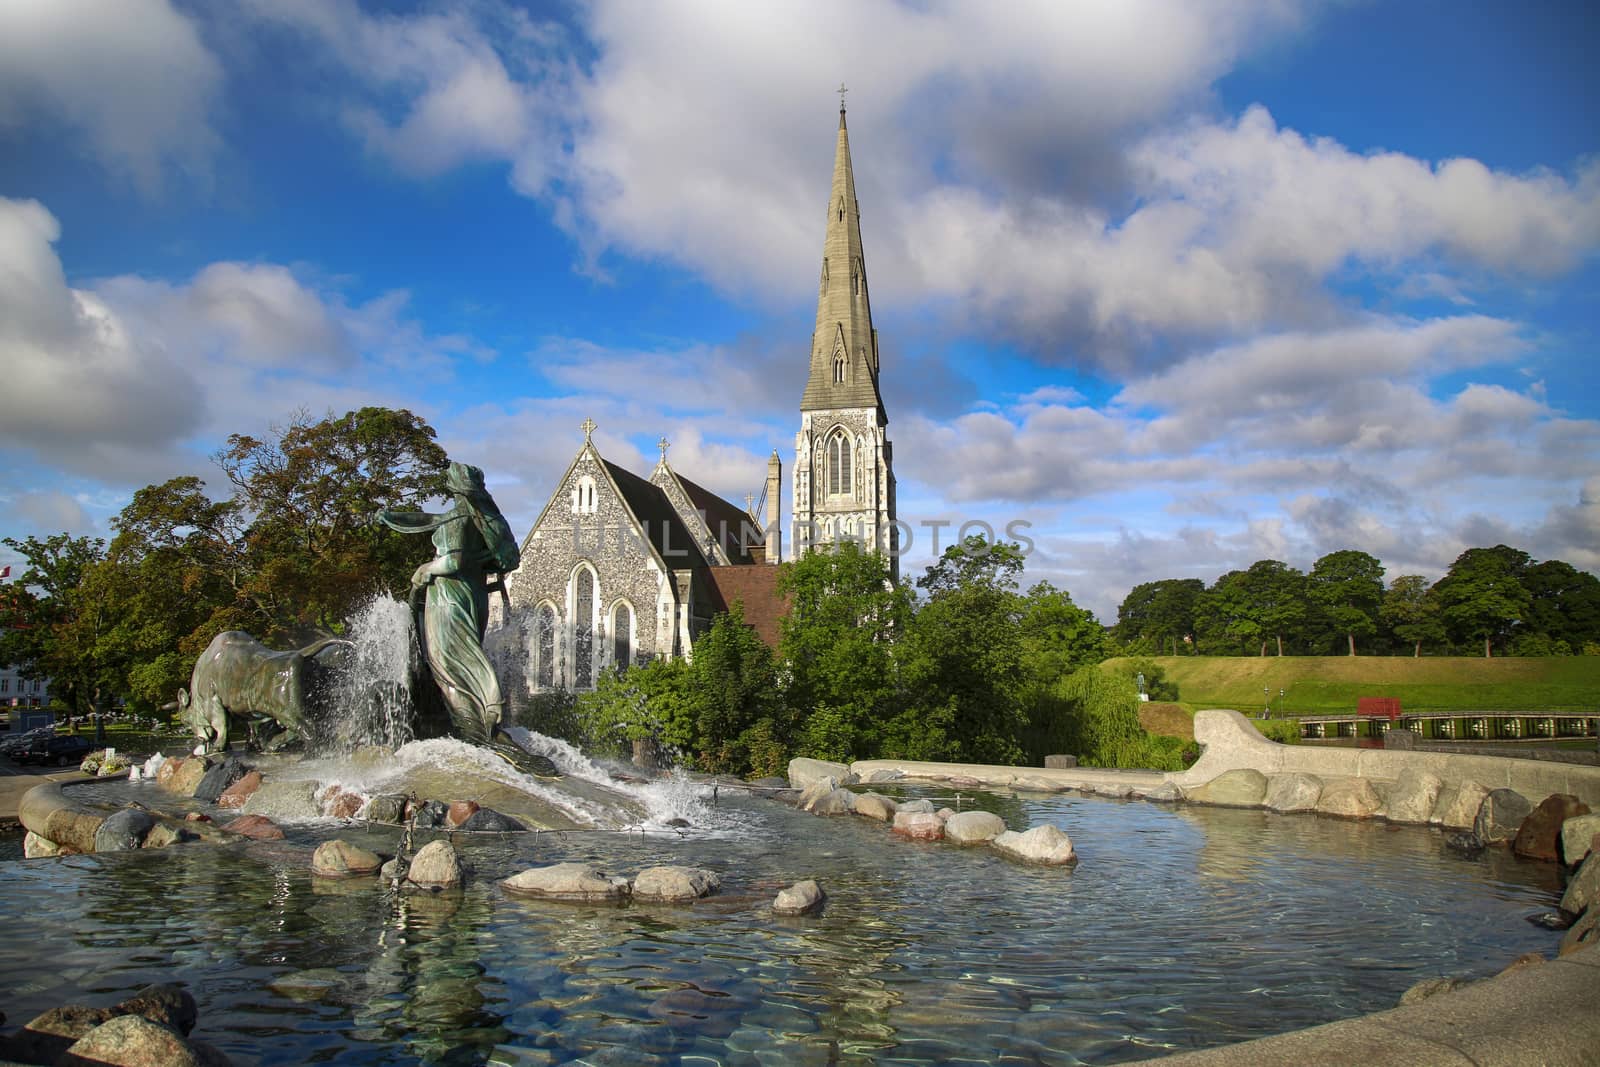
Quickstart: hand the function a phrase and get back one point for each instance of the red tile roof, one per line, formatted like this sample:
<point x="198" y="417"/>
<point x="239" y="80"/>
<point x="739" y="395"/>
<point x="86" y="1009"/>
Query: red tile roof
<point x="754" y="585"/>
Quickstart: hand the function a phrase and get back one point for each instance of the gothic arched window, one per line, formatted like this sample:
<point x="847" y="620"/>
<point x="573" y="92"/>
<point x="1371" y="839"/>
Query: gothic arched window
<point x="838" y="366"/>
<point x="622" y="636"/>
<point x="545" y="646"/>
<point x="583" y="496"/>
<point x="838" y="463"/>
<point x="583" y="602"/>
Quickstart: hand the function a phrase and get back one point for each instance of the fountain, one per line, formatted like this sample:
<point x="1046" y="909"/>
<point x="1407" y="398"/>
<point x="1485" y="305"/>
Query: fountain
<point x="1184" y="927"/>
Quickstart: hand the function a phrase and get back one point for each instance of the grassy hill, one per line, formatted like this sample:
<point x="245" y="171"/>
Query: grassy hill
<point x="1332" y="684"/>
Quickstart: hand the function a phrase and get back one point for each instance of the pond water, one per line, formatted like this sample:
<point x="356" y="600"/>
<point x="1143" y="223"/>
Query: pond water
<point x="1180" y="928"/>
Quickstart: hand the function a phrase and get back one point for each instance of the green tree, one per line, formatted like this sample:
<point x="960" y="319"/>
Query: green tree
<point x="837" y="644"/>
<point x="1347" y="587"/>
<point x="963" y="657"/>
<point x="1563" y="603"/>
<point x="54" y="620"/>
<point x="310" y="491"/>
<point x="1482" y="596"/>
<point x="1411" y="612"/>
<point x="740" y="718"/>
<point x="1160" y="613"/>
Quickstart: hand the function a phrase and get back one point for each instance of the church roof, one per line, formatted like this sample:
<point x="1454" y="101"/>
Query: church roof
<point x="844" y="310"/>
<point x="724" y="519"/>
<point x="755" y="587"/>
<point x="677" y="547"/>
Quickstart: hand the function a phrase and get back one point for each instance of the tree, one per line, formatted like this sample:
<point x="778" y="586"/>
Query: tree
<point x="1482" y="596"/>
<point x="837" y="643"/>
<point x="1225" y="617"/>
<point x="962" y="660"/>
<point x="55" y="619"/>
<point x="1411" y="612"/>
<point x="1563" y="604"/>
<point x="1246" y="607"/>
<point x="740" y="725"/>
<point x="1348" y="588"/>
<point x="312" y="549"/>
<point x="1160" y="612"/>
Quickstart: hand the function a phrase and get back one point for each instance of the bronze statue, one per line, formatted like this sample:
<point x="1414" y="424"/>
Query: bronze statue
<point x="237" y="676"/>
<point x="450" y="596"/>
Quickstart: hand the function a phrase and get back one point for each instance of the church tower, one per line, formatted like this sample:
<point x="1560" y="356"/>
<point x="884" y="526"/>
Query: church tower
<point x="843" y="472"/>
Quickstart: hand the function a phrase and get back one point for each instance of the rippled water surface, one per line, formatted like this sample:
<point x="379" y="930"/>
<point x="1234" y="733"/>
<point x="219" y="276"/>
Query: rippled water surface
<point x="1179" y="929"/>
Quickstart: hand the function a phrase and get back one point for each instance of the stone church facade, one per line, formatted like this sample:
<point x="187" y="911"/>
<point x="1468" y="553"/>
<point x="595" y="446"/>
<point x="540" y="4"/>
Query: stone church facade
<point x="620" y="569"/>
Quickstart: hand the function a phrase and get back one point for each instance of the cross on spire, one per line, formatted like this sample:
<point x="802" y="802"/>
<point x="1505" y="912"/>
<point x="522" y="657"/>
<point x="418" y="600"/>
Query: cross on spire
<point x="588" y="427"/>
<point x="841" y="91"/>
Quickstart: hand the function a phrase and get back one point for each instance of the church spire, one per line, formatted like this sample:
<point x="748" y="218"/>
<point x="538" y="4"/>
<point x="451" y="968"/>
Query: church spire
<point x="844" y="346"/>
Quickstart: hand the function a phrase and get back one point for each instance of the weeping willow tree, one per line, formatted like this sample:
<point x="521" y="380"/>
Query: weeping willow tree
<point x="1095" y="715"/>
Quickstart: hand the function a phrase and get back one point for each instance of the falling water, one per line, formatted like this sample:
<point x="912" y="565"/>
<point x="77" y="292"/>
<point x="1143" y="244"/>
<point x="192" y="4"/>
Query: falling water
<point x="372" y="687"/>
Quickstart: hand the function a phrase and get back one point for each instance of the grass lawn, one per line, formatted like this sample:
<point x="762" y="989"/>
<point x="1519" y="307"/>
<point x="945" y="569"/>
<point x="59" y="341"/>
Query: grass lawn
<point x="1332" y="684"/>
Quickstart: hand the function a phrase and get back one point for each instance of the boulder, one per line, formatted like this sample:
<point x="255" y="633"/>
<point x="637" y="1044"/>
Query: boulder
<point x="1112" y="790"/>
<point x="1243" y="788"/>
<point x="1457" y="806"/>
<point x="257" y="827"/>
<point x="436" y="865"/>
<point x="945" y="813"/>
<point x="874" y="806"/>
<point x="1292" y="792"/>
<point x="963" y="781"/>
<point x="1035" y="783"/>
<point x="235" y="795"/>
<point x="459" y="812"/>
<point x="1044" y="844"/>
<point x="919" y="825"/>
<point x="1431" y="987"/>
<point x="674" y="884"/>
<point x="386" y="808"/>
<point x="1584" y="932"/>
<point x="123" y="831"/>
<point x="187" y="778"/>
<point x="973" y="827"/>
<point x="1577" y="838"/>
<point x="35" y="847"/>
<point x="799" y="899"/>
<point x="1539" y="836"/>
<point x="166" y="1003"/>
<point x="343" y="859"/>
<point x="487" y="820"/>
<point x="218" y="778"/>
<point x="49" y="1034"/>
<point x="1349" y="798"/>
<point x="285" y="800"/>
<point x="803" y="772"/>
<point x="167" y="769"/>
<point x="1584" y="888"/>
<point x="567" y="881"/>
<point x="1464" y="843"/>
<point x="822" y="798"/>
<point x="164" y="835"/>
<point x="1165" y="793"/>
<point x="1500" y="816"/>
<point x="430" y="814"/>
<point x="885" y="774"/>
<point x="338" y="804"/>
<point x="1414" y="795"/>
<point x="132" y="1041"/>
<point x="920" y="804"/>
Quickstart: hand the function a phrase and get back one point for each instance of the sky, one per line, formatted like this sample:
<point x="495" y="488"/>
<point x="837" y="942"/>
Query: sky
<point x="1180" y="285"/>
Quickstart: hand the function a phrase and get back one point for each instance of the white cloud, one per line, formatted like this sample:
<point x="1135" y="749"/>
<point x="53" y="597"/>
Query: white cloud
<point x="134" y="78"/>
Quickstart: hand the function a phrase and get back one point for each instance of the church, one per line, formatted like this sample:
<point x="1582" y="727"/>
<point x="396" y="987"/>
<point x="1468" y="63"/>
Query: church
<point x="621" y="568"/>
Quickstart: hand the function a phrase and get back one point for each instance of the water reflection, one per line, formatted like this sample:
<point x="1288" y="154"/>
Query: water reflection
<point x="1179" y="929"/>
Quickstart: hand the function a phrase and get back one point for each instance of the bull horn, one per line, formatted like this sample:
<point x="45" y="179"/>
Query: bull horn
<point x="171" y="705"/>
<point x="315" y="648"/>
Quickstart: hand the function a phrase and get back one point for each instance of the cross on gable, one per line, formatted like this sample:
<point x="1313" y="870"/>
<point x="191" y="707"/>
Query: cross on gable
<point x="663" y="445"/>
<point x="588" y="428"/>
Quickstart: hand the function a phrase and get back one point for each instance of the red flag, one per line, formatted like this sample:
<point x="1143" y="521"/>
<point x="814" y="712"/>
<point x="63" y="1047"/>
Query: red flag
<point x="5" y="572"/>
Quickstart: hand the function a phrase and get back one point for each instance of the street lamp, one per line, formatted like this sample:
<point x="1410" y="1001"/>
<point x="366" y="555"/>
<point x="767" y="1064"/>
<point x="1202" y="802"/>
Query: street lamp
<point x="1280" y="702"/>
<point x="1266" y="700"/>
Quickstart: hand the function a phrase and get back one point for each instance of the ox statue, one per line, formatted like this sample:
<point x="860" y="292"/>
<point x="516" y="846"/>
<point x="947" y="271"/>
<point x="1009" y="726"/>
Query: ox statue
<point x="238" y="675"/>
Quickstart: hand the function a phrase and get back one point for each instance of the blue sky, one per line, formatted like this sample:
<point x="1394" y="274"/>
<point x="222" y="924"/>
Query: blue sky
<point x="1184" y="285"/>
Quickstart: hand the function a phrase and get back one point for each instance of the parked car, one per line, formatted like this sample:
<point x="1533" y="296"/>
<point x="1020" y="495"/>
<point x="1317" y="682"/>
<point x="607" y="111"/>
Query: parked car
<point x="64" y="750"/>
<point x="12" y="746"/>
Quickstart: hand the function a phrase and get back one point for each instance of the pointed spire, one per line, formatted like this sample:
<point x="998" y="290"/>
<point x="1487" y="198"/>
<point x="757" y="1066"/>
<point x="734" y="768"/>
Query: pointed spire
<point x="844" y="350"/>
